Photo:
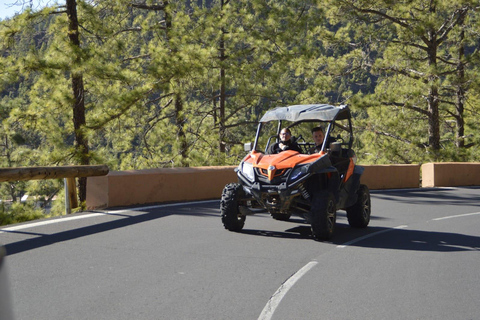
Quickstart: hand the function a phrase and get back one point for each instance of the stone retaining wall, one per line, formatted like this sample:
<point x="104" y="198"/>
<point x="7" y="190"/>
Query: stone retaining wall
<point x="126" y="188"/>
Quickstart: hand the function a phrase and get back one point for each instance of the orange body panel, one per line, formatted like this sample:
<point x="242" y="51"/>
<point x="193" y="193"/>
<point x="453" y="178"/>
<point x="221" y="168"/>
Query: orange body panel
<point x="273" y="165"/>
<point x="350" y="169"/>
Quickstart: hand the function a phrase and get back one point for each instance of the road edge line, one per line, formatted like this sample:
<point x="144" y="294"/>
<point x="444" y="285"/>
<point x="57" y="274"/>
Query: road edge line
<point x="86" y="215"/>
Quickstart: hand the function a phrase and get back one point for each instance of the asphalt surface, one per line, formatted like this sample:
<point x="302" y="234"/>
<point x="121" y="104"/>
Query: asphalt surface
<point x="418" y="259"/>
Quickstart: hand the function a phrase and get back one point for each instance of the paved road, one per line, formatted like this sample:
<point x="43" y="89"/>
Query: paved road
<point x="418" y="259"/>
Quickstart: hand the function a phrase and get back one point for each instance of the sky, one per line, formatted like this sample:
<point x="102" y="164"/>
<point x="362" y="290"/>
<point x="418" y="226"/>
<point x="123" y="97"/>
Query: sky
<point x="8" y="8"/>
<point x="6" y="11"/>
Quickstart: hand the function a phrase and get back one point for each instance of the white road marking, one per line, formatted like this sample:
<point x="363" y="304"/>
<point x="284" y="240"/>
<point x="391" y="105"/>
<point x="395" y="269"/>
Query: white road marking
<point x="95" y="214"/>
<point x="47" y="222"/>
<point x="369" y="236"/>
<point x="457" y="216"/>
<point x="274" y="301"/>
<point x="162" y="206"/>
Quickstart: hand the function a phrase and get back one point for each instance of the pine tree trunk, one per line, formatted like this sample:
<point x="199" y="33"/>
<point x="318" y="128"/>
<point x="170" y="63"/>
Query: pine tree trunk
<point x="78" y="99"/>
<point x="9" y="161"/>
<point x="433" y="95"/>
<point x="221" y="124"/>
<point x="221" y="127"/>
<point x="181" y="136"/>
<point x="433" y="119"/>
<point x="460" y="103"/>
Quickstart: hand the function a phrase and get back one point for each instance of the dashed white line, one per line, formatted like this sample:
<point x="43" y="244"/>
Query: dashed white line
<point x="369" y="236"/>
<point x="457" y="216"/>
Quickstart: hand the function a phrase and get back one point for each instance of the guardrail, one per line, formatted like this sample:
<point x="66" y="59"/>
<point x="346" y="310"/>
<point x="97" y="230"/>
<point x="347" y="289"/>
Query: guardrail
<point x="68" y="173"/>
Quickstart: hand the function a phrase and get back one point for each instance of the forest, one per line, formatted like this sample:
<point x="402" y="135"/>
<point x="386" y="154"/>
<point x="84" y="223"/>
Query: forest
<point x="139" y="84"/>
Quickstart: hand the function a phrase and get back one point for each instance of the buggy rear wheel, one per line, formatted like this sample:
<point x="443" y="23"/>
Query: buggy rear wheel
<point x="359" y="214"/>
<point x="232" y="218"/>
<point x="323" y="215"/>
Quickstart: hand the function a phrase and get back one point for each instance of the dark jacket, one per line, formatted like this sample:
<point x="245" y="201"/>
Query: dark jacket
<point x="315" y="149"/>
<point x="275" y="148"/>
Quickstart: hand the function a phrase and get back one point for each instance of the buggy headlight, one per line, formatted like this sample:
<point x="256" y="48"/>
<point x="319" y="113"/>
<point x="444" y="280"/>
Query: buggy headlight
<point x="298" y="172"/>
<point x="247" y="171"/>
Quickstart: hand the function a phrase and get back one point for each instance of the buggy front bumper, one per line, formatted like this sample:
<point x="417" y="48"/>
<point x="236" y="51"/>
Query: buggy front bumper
<point x="275" y="198"/>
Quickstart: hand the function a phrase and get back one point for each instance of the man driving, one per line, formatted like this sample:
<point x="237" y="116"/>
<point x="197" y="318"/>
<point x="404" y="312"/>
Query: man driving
<point x="285" y="143"/>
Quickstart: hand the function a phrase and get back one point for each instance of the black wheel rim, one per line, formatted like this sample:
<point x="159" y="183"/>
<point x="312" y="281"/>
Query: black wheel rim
<point x="365" y="206"/>
<point x="331" y="215"/>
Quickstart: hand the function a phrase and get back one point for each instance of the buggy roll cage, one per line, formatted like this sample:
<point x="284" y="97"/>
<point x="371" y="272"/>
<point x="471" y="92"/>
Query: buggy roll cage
<point x="309" y="113"/>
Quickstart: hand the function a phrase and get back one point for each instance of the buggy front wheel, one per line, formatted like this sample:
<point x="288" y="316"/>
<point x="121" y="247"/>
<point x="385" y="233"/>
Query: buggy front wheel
<point x="232" y="218"/>
<point x="323" y="215"/>
<point x="359" y="214"/>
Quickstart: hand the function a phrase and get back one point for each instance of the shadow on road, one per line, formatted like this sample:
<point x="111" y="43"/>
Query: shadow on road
<point x="418" y="240"/>
<point x="301" y="232"/>
<point x="429" y="196"/>
<point x="396" y="239"/>
<point x="125" y="220"/>
<point x="384" y="238"/>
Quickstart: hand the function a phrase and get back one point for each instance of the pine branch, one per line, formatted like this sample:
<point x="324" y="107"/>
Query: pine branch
<point x="389" y="135"/>
<point x="153" y="7"/>
<point x="240" y="124"/>
<point x="147" y="55"/>
<point x="413" y="74"/>
<point x="410" y="44"/>
<point x="457" y="16"/>
<point x="404" y="105"/>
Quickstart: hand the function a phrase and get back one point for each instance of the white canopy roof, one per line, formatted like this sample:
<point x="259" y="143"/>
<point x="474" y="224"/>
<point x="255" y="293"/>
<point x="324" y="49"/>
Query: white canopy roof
<point x="321" y="112"/>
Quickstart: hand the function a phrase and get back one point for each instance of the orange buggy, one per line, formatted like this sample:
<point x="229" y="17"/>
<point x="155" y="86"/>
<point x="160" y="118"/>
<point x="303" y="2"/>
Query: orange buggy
<point x="312" y="186"/>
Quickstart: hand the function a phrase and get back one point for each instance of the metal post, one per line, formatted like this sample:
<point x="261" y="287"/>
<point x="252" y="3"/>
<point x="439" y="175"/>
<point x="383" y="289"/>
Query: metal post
<point x="67" y="198"/>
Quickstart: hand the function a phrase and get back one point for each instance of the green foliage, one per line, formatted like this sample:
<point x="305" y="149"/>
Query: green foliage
<point x="423" y="63"/>
<point x="58" y="206"/>
<point x="185" y="85"/>
<point x="19" y="212"/>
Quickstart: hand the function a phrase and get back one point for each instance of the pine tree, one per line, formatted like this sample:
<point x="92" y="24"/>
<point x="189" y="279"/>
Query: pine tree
<point x="412" y="39"/>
